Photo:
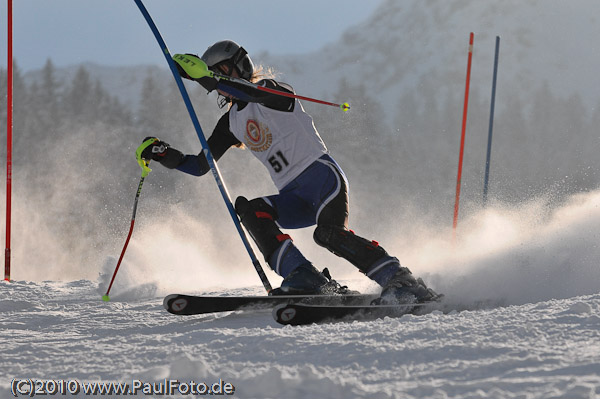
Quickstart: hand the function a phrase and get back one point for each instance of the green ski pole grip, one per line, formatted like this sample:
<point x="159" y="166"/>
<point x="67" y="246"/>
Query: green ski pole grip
<point x="143" y="162"/>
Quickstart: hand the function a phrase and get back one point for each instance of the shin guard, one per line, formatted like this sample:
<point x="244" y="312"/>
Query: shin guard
<point x="258" y="218"/>
<point x="370" y="258"/>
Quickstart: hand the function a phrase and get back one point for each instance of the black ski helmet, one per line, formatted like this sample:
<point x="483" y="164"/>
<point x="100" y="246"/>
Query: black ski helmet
<point x="228" y="51"/>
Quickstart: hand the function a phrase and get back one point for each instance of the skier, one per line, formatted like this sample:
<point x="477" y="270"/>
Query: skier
<point x="313" y="189"/>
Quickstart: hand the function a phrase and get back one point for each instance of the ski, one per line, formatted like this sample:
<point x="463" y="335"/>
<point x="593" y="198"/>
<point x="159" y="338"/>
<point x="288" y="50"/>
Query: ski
<point x="296" y="314"/>
<point x="186" y="305"/>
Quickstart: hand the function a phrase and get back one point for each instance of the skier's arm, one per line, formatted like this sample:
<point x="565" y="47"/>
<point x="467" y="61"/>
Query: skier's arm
<point x="250" y="94"/>
<point x="219" y="142"/>
<point x="191" y="67"/>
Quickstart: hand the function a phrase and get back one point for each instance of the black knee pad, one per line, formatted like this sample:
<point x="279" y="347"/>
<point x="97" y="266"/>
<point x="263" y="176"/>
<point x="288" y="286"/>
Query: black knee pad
<point x="359" y="251"/>
<point x="259" y="218"/>
<point x="244" y="207"/>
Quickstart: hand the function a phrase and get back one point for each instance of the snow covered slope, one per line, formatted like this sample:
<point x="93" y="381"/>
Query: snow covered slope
<point x="530" y="279"/>
<point x="52" y="330"/>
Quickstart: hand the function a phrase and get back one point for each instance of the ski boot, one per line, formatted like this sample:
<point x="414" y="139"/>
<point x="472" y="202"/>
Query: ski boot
<point x="404" y="288"/>
<point x="307" y="280"/>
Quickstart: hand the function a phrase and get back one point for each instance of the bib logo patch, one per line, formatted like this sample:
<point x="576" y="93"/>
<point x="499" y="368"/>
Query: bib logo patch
<point x="258" y="138"/>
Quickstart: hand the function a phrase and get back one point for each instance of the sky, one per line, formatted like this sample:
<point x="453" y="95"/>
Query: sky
<point x="113" y="32"/>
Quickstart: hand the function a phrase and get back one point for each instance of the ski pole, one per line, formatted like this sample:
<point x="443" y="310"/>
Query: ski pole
<point x="343" y="106"/>
<point x="196" y="68"/>
<point x="205" y="148"/>
<point x="145" y="170"/>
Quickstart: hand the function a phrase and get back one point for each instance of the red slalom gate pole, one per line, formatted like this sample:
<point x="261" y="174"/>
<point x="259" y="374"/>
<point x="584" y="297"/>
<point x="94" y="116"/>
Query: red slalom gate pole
<point x="462" y="139"/>
<point x="9" y="126"/>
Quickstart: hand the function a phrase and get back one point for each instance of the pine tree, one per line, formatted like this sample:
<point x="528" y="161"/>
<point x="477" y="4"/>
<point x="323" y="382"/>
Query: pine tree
<point x="79" y="99"/>
<point x="152" y="114"/>
<point x="49" y="94"/>
<point x="21" y="132"/>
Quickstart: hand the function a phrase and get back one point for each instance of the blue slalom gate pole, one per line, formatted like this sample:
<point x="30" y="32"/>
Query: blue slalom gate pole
<point x="205" y="148"/>
<point x="492" y="106"/>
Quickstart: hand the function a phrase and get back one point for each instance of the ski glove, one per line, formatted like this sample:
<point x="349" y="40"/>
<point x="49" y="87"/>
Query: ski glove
<point x="191" y="67"/>
<point x="163" y="153"/>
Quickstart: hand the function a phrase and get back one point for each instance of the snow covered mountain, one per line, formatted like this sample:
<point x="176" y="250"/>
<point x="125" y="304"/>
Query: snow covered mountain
<point x="408" y="44"/>
<point x="405" y="44"/>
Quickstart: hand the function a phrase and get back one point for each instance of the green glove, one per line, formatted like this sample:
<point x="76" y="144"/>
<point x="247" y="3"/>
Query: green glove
<point x="142" y="160"/>
<point x="191" y="67"/>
